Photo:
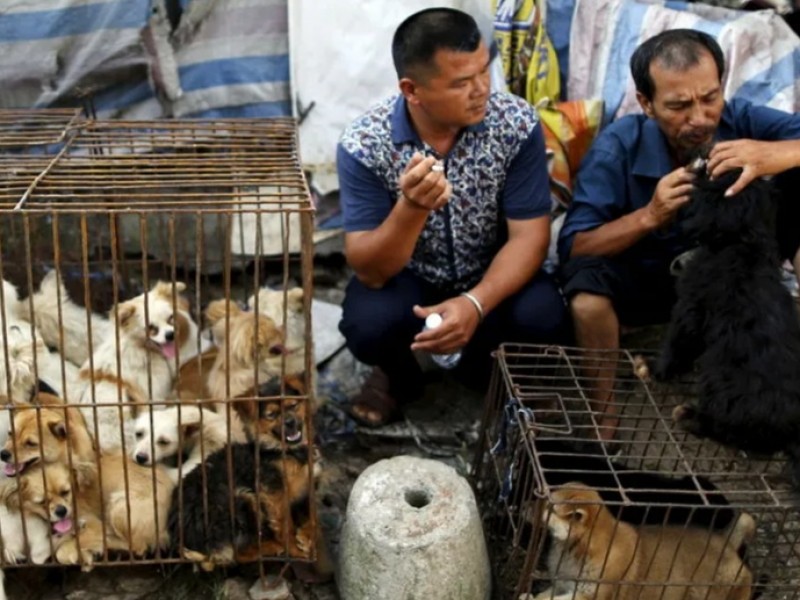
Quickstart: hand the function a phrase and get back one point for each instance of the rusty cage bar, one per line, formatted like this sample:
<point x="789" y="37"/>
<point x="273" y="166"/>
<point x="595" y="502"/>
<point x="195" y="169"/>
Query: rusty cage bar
<point x="540" y="447"/>
<point x="156" y="314"/>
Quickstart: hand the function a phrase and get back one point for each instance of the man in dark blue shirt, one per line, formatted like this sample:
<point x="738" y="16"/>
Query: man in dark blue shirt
<point x="446" y="205"/>
<point x="619" y="237"/>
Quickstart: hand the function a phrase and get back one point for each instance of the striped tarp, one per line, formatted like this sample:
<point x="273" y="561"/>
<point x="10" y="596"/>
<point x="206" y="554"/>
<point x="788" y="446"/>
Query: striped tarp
<point x="224" y="57"/>
<point x="762" y="52"/>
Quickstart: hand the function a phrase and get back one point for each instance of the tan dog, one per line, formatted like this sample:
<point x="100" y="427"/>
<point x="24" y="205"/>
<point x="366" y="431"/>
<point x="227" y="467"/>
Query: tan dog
<point x="248" y="344"/>
<point x="287" y="311"/>
<point x="684" y="563"/>
<point x="78" y="502"/>
<point x="46" y="433"/>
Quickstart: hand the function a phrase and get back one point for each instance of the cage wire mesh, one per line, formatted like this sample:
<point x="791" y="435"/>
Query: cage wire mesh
<point x="684" y="497"/>
<point x="157" y="357"/>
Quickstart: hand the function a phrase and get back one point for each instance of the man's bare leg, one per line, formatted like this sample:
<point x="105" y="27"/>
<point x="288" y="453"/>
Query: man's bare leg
<point x="597" y="331"/>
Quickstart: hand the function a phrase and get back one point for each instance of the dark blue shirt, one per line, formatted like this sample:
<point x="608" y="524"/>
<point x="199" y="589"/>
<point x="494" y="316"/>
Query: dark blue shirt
<point x="621" y="170"/>
<point x="498" y="170"/>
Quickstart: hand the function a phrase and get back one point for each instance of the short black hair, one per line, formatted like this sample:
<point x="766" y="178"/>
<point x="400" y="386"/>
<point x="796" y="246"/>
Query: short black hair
<point x="676" y="49"/>
<point x="421" y="35"/>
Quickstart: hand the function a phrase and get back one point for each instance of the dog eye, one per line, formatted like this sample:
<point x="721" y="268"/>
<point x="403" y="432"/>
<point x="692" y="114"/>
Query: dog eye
<point x="139" y="435"/>
<point x="170" y="320"/>
<point x="162" y="443"/>
<point x="64" y="493"/>
<point x="31" y="444"/>
<point x="276" y="350"/>
<point x="576" y="516"/>
<point x="152" y="329"/>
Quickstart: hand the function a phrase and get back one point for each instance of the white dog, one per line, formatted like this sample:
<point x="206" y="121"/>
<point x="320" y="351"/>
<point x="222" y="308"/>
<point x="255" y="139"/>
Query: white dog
<point x="72" y="323"/>
<point x="190" y="432"/>
<point x="25" y="358"/>
<point x="152" y="339"/>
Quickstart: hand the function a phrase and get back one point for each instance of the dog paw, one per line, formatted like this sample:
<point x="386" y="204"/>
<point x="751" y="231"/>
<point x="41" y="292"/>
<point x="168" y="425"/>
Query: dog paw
<point x="67" y="553"/>
<point x="304" y="543"/>
<point x="682" y="412"/>
<point x="9" y="557"/>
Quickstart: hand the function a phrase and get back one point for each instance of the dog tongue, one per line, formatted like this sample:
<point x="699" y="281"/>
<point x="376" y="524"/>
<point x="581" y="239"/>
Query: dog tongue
<point x="9" y="469"/>
<point x="63" y="526"/>
<point x="168" y="350"/>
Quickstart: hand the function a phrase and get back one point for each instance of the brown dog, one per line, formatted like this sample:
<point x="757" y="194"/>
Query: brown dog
<point x="47" y="432"/>
<point x="80" y="502"/>
<point x="643" y="563"/>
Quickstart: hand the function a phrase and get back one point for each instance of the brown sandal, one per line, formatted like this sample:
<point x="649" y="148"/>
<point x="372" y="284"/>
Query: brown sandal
<point x="374" y="406"/>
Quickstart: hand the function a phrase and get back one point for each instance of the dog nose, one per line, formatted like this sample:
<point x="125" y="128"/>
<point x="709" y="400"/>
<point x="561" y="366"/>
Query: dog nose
<point x="141" y="458"/>
<point x="5" y="455"/>
<point x="60" y="511"/>
<point x="169" y="335"/>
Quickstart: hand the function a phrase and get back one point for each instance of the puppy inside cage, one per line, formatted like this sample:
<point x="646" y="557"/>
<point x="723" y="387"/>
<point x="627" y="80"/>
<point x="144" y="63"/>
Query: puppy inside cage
<point x="564" y="508"/>
<point x="159" y="396"/>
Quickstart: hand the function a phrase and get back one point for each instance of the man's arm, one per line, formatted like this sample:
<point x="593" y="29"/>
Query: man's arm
<point x="672" y="192"/>
<point x="513" y="266"/>
<point x="378" y="253"/>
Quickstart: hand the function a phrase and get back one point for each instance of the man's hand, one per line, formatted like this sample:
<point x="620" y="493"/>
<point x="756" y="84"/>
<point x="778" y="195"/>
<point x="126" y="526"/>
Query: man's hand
<point x="422" y="186"/>
<point x="672" y="192"/>
<point x="459" y="321"/>
<point x="756" y="159"/>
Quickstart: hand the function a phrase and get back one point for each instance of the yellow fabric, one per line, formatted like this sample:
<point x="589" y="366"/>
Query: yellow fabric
<point x="569" y="129"/>
<point x="529" y="59"/>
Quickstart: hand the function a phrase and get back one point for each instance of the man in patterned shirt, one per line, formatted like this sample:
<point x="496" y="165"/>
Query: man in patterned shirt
<point x="444" y="192"/>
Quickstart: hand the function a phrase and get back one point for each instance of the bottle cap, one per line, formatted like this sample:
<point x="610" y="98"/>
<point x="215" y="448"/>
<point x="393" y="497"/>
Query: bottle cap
<point x="433" y="320"/>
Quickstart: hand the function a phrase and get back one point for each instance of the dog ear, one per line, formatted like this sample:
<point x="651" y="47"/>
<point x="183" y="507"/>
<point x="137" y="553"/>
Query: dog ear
<point x="294" y="299"/>
<point x="216" y="311"/>
<point x="189" y="429"/>
<point x="58" y="429"/>
<point x="124" y="312"/>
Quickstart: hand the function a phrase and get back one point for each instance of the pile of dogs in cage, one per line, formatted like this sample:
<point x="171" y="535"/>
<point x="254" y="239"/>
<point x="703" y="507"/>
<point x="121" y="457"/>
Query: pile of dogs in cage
<point x="145" y="433"/>
<point x="696" y="498"/>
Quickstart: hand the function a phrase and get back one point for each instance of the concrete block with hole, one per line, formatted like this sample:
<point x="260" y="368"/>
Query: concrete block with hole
<point x="412" y="531"/>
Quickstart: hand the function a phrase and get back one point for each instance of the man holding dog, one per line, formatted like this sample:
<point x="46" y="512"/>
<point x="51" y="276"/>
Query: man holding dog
<point x="620" y="238"/>
<point x="444" y="193"/>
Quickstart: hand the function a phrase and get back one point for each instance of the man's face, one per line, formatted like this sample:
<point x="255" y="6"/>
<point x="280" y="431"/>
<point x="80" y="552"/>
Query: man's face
<point x="454" y="94"/>
<point x="686" y="105"/>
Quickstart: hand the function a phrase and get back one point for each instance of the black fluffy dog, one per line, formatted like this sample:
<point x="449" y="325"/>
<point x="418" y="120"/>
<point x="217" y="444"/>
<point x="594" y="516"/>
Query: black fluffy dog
<point x="736" y="323"/>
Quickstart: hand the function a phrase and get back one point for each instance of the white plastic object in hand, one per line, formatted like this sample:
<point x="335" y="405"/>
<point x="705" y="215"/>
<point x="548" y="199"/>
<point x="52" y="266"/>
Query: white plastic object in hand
<point x="445" y="361"/>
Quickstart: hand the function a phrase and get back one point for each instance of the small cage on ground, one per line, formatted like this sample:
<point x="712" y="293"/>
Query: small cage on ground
<point x="655" y="513"/>
<point x="157" y="358"/>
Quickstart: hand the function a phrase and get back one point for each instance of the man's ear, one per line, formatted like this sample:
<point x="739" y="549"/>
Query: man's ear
<point x="408" y="88"/>
<point x="647" y="105"/>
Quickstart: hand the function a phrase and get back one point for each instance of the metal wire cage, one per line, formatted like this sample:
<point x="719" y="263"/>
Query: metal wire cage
<point x="155" y="268"/>
<point x="559" y="503"/>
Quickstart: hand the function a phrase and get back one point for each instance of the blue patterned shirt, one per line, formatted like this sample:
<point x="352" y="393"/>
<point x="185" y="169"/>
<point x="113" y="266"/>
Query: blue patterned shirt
<point x="497" y="168"/>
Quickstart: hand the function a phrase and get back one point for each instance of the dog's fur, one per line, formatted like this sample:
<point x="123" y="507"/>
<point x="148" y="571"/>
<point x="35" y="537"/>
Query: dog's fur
<point x="152" y="339"/>
<point x="79" y="501"/>
<point x="286" y="309"/>
<point x="181" y="437"/>
<point x="738" y="323"/>
<point x="248" y="346"/>
<point x="29" y="359"/>
<point x="590" y="544"/>
<point x="272" y="499"/>
<point x="73" y="323"/>
<point x="48" y="432"/>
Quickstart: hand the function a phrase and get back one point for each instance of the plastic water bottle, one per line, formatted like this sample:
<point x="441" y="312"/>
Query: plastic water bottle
<point x="445" y="361"/>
